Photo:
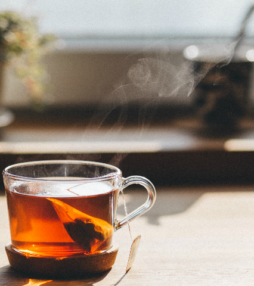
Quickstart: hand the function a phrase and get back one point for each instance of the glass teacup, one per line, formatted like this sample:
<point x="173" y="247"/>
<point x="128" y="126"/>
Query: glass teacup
<point x="67" y="208"/>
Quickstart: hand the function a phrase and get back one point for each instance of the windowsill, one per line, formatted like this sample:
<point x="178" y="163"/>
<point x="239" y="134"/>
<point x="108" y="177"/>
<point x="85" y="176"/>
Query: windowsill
<point x="175" y="135"/>
<point x="174" y="151"/>
<point x="136" y="44"/>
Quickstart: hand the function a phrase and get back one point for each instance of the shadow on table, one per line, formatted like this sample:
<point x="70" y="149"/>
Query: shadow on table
<point x="168" y="202"/>
<point x="9" y="276"/>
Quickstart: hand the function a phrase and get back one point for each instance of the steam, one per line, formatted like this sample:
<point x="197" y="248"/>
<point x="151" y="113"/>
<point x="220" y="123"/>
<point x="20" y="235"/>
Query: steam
<point x="151" y="81"/>
<point x="160" y="77"/>
<point x="117" y="159"/>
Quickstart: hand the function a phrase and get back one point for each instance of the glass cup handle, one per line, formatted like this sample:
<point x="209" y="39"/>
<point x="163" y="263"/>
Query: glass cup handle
<point x="143" y="208"/>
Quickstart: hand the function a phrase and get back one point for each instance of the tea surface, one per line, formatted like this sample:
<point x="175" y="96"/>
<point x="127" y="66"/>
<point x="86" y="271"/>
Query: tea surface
<point x="56" y="222"/>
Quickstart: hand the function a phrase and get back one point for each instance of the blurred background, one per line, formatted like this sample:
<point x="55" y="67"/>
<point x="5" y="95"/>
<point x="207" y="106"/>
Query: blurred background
<point x="100" y="41"/>
<point x="126" y="85"/>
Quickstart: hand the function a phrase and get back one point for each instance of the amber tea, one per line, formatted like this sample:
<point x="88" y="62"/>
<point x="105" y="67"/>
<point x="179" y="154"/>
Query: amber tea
<point x="66" y="208"/>
<point x="61" y="220"/>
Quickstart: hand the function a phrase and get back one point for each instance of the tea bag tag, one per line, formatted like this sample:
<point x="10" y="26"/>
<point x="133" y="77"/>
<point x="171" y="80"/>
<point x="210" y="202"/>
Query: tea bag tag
<point x="133" y="252"/>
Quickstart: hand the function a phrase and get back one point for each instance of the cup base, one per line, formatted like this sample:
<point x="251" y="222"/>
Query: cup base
<point x="62" y="267"/>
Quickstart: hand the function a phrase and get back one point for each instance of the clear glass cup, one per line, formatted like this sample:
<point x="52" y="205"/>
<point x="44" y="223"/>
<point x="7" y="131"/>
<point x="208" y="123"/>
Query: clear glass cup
<point x="67" y="208"/>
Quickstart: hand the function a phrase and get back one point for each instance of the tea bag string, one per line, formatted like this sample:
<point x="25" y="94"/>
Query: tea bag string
<point x="126" y="212"/>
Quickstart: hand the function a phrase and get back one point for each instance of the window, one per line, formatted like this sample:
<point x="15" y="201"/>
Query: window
<point x="137" y="18"/>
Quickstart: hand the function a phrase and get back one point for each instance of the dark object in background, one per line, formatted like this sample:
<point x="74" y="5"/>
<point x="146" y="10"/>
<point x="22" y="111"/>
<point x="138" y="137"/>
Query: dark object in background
<point x="222" y="78"/>
<point x="221" y="97"/>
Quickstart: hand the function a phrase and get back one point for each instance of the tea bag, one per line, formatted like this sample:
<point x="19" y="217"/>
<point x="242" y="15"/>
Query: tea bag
<point x="82" y="228"/>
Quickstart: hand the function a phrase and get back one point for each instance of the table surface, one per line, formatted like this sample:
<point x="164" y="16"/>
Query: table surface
<point x="192" y="236"/>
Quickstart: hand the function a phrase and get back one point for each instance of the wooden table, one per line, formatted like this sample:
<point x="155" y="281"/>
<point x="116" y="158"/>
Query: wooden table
<point x="192" y="236"/>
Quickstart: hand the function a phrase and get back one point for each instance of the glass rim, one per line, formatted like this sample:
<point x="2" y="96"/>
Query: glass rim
<point x="115" y="171"/>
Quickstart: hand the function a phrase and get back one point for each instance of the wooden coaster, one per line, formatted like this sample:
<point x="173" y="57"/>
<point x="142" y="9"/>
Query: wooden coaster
<point x="50" y="267"/>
